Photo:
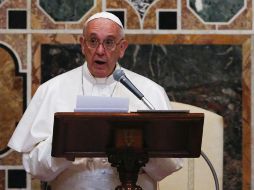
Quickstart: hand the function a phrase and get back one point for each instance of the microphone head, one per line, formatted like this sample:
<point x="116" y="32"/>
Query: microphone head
<point x="118" y="74"/>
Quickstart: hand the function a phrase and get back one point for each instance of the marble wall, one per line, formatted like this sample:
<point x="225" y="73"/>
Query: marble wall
<point x="199" y="55"/>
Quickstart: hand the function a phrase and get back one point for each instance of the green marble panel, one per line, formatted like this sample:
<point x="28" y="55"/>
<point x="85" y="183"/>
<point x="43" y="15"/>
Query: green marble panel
<point x="66" y="10"/>
<point x="216" y="10"/>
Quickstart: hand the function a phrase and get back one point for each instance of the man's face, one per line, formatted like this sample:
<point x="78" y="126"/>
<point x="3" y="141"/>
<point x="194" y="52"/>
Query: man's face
<point x="101" y="61"/>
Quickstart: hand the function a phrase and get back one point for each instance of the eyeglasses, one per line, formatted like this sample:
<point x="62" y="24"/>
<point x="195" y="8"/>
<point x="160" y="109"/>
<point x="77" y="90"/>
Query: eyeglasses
<point x="108" y="44"/>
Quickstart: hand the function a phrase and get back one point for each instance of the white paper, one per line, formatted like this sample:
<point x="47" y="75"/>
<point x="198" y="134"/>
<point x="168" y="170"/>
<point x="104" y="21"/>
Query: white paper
<point x="101" y="104"/>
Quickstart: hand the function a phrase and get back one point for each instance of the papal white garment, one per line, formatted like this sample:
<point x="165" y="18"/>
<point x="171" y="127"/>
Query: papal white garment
<point x="33" y="135"/>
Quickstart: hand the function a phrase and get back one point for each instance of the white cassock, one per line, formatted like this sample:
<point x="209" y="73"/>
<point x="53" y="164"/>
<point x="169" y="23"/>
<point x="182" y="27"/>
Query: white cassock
<point x="33" y="135"/>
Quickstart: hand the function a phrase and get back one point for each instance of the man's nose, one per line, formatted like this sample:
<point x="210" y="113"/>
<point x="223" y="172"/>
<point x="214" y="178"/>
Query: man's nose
<point x="100" y="49"/>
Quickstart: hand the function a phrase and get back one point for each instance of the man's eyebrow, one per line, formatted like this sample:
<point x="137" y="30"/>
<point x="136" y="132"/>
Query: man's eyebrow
<point x="92" y="34"/>
<point x="110" y="36"/>
<point x="107" y="37"/>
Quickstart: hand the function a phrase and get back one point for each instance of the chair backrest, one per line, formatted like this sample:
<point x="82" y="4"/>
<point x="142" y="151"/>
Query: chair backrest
<point x="196" y="174"/>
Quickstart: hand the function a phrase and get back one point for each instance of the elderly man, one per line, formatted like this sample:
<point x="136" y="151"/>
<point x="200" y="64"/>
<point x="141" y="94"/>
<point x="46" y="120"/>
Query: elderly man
<point x="102" y="43"/>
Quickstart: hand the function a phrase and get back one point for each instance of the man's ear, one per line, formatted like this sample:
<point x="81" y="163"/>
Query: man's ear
<point x="123" y="47"/>
<point x="81" y="41"/>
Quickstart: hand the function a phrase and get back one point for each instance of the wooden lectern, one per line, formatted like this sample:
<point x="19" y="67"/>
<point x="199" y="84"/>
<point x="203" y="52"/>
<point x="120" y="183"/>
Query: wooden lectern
<point x="127" y="139"/>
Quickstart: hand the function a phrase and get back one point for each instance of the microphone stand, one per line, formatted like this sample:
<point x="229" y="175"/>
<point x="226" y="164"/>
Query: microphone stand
<point x="147" y="103"/>
<point x="215" y="177"/>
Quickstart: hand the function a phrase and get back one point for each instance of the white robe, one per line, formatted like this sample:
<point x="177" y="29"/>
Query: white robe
<point x="33" y="135"/>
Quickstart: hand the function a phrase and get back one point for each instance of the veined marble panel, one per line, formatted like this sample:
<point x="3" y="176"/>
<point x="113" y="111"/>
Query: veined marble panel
<point x="38" y="41"/>
<point x="18" y="44"/>
<point x="191" y="21"/>
<point x="137" y="20"/>
<point x="41" y="20"/>
<point x="8" y="4"/>
<point x="54" y="57"/>
<point x="66" y="10"/>
<point x="12" y="96"/>
<point x="241" y="20"/>
<point x="141" y="6"/>
<point x="2" y="179"/>
<point x="132" y="17"/>
<point x="215" y="10"/>
<point x="12" y="158"/>
<point x="150" y="20"/>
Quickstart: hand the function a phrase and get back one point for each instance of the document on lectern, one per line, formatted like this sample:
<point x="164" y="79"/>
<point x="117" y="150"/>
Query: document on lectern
<point x="101" y="104"/>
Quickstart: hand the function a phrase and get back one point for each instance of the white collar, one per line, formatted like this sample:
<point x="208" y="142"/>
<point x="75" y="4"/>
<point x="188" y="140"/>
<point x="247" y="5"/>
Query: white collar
<point x="107" y="80"/>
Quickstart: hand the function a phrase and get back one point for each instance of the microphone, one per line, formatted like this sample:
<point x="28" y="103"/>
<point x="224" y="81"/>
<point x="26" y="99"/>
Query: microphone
<point x="121" y="77"/>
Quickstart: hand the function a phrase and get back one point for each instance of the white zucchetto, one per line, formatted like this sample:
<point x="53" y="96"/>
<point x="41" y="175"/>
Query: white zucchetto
<point x="106" y="15"/>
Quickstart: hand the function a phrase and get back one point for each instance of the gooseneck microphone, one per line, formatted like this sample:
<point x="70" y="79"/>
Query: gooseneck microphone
<point x="121" y="77"/>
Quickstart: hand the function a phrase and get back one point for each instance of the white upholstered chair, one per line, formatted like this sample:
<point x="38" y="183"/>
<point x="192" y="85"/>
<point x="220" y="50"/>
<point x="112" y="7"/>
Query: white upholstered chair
<point x="196" y="175"/>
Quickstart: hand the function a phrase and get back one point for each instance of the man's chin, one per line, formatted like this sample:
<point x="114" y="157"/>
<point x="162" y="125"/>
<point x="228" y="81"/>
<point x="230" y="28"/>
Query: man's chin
<point x="101" y="71"/>
<point x="101" y="74"/>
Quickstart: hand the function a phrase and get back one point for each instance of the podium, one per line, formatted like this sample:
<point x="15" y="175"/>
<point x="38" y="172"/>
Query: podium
<point x="127" y="139"/>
